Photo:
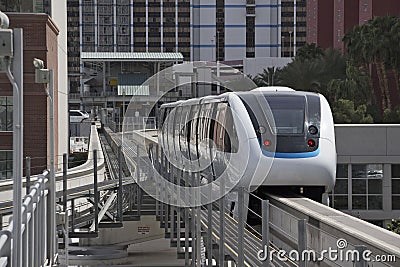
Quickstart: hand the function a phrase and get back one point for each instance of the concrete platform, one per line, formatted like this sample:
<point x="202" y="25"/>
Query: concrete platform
<point x="154" y="253"/>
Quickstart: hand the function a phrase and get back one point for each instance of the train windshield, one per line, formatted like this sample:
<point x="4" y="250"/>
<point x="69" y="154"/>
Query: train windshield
<point x="288" y="112"/>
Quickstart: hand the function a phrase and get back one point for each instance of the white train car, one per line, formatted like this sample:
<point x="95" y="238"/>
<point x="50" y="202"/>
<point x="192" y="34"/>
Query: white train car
<point x="271" y="137"/>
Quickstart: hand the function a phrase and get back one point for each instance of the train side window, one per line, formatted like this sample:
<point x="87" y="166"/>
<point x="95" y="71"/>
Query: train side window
<point x="219" y="132"/>
<point x="212" y="121"/>
<point x="231" y="139"/>
<point x="165" y="128"/>
<point x="176" y="135"/>
<point x="170" y="131"/>
<point x="184" y="127"/>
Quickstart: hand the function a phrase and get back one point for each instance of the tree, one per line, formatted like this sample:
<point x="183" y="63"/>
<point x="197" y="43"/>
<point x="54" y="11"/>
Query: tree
<point x="375" y="44"/>
<point x="309" y="52"/>
<point x="345" y="112"/>
<point x="314" y="74"/>
<point x="267" y="77"/>
<point x="394" y="226"/>
<point x="355" y="86"/>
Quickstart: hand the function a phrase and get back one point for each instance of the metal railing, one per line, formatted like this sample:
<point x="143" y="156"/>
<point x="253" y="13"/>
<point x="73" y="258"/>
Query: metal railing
<point x="35" y="228"/>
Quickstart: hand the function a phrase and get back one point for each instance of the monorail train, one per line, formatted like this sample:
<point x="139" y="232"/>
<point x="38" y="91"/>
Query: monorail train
<point x="291" y="144"/>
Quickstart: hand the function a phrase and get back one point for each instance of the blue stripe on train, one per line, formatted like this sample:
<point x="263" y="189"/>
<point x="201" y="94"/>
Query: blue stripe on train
<point x="299" y="155"/>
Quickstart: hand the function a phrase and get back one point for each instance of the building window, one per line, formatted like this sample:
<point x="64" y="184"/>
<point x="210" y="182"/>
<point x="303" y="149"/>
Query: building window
<point x="340" y="192"/>
<point x="6" y="113"/>
<point x="395" y="186"/>
<point x="6" y="164"/>
<point x="367" y="186"/>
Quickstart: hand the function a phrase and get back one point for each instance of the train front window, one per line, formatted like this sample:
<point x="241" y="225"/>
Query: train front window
<point x="288" y="112"/>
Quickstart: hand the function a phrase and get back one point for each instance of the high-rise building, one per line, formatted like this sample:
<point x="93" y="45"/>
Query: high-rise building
<point x="206" y="30"/>
<point x="293" y="29"/>
<point x="31" y="6"/>
<point x="329" y="20"/>
<point x="320" y="22"/>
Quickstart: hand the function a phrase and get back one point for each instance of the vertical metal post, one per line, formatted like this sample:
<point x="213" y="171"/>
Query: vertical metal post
<point x="209" y="229"/>
<point x="241" y="221"/>
<point x="360" y="262"/>
<point x="198" y="222"/>
<point x="120" y="211"/>
<point x="52" y="182"/>
<point x="30" y="232"/>
<point x="172" y="210"/>
<point x="194" y="236"/>
<point x="24" y="240"/>
<point x="221" y="256"/>
<point x="138" y="195"/>
<point x="65" y="185"/>
<point x="18" y="94"/>
<point x="265" y="230"/>
<point x="28" y="174"/>
<point x="72" y="215"/>
<point x="43" y="224"/>
<point x="96" y="193"/>
<point x="166" y="215"/>
<point x="156" y="166"/>
<point x="187" y="236"/>
<point x="36" y="219"/>
<point x="302" y="240"/>
<point x="178" y="211"/>
<point x="173" y="221"/>
<point x="66" y="235"/>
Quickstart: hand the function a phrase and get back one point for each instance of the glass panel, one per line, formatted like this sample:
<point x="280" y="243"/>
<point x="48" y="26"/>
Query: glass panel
<point x="359" y="202"/>
<point x="9" y="168"/>
<point x="341" y="186"/>
<point x="342" y="171"/>
<point x="396" y="170"/>
<point x="367" y="170"/>
<point x="359" y="170"/>
<point x="9" y="118"/>
<point x="288" y="114"/>
<point x="3" y="119"/>
<point x="3" y="168"/>
<point x="375" y="186"/>
<point x="359" y="186"/>
<point x="395" y="186"/>
<point x="340" y="202"/>
<point x="374" y="202"/>
<point x="395" y="202"/>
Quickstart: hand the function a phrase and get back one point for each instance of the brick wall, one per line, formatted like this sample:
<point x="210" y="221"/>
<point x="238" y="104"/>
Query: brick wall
<point x="40" y="40"/>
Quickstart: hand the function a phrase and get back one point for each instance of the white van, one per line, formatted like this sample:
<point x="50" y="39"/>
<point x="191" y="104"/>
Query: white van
<point x="77" y="115"/>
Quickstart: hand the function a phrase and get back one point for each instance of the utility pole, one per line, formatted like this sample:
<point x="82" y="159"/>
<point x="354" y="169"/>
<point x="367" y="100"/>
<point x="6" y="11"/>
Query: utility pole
<point x="13" y="40"/>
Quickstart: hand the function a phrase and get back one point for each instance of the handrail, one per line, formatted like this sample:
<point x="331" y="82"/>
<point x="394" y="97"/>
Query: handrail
<point x="32" y="213"/>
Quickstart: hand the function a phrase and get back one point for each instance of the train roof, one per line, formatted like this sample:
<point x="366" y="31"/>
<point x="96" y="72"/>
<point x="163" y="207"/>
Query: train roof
<point x="270" y="90"/>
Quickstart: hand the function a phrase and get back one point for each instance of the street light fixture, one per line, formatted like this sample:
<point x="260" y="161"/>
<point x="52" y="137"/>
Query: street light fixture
<point x="46" y="76"/>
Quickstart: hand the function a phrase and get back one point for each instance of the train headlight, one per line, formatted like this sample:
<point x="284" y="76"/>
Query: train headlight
<point x="312" y="129"/>
<point x="311" y="143"/>
<point x="267" y="143"/>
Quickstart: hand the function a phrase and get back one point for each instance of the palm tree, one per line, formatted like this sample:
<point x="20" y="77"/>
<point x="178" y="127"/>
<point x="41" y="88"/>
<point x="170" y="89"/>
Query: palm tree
<point x="367" y="46"/>
<point x="315" y="74"/>
<point x="309" y="52"/>
<point x="267" y="77"/>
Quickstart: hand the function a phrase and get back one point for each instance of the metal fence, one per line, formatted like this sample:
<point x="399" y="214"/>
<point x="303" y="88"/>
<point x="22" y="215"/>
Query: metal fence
<point x="35" y="228"/>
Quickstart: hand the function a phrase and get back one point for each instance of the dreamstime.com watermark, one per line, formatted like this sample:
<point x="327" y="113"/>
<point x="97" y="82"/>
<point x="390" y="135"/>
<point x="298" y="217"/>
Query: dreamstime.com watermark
<point x="332" y="254"/>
